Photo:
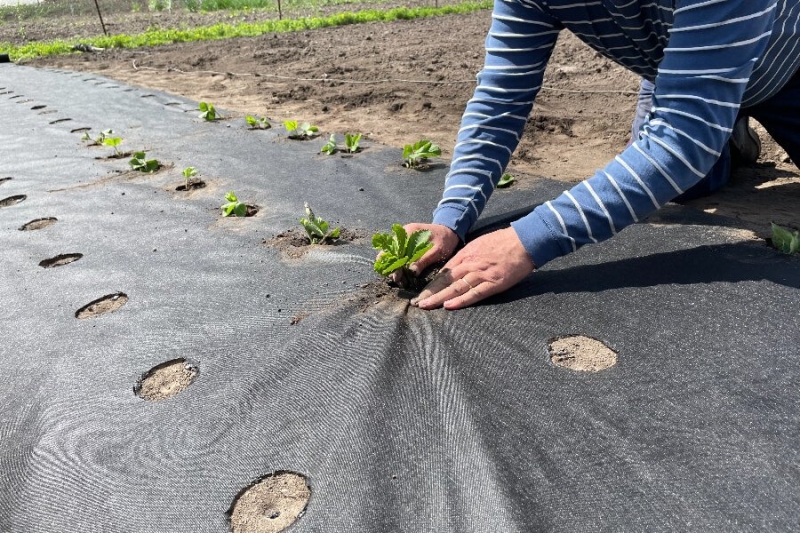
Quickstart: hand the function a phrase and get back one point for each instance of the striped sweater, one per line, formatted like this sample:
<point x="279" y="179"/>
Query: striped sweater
<point x="708" y="58"/>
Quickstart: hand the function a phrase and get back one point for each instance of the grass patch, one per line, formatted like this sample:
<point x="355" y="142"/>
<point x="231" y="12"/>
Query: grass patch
<point x="157" y="37"/>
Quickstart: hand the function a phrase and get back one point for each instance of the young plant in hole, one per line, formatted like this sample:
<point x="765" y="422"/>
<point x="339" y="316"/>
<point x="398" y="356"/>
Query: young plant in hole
<point x="318" y="230"/>
<point x="140" y="162"/>
<point x="257" y="123"/>
<point x="234" y="206"/>
<point x="300" y="131"/>
<point x="97" y="140"/>
<point x="113" y="142"/>
<point x="784" y="240"/>
<point x="415" y="155"/>
<point x="505" y="181"/>
<point x="399" y="250"/>
<point x="330" y="146"/>
<point x="209" y="112"/>
<point x="188" y="174"/>
<point x="351" y="142"/>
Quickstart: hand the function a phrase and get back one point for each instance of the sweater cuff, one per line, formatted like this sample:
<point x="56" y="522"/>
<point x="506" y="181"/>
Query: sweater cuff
<point x="542" y="243"/>
<point x="455" y="218"/>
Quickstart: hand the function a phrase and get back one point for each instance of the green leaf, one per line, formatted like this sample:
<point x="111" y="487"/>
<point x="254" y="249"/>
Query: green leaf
<point x="386" y="264"/>
<point x="784" y="240"/>
<point x="505" y="180"/>
<point x="418" y="244"/>
<point x="400" y="236"/>
<point x="290" y="125"/>
<point x="240" y="210"/>
<point x="329" y="147"/>
<point x="203" y="106"/>
<point x="188" y="172"/>
<point x="112" y="141"/>
<point x="382" y="241"/>
<point x="335" y="234"/>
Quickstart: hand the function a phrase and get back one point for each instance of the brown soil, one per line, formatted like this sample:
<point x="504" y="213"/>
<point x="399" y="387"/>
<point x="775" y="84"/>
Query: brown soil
<point x="39" y="223"/>
<point x="12" y="200"/>
<point x="166" y="380"/>
<point x="60" y="260"/>
<point x="271" y="505"/>
<point x="410" y="80"/>
<point x="102" y="306"/>
<point x="580" y="353"/>
<point x="192" y="185"/>
<point x="293" y="243"/>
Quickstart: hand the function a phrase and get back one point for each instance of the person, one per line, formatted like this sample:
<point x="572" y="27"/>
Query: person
<point x="709" y="60"/>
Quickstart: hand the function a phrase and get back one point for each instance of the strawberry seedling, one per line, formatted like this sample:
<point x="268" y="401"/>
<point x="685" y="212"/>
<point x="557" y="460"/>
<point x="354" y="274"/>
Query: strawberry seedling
<point x="351" y="142"/>
<point x="140" y="162"/>
<point x="330" y="146"/>
<point x="784" y="240"/>
<point x="257" y="123"/>
<point x="97" y="140"/>
<point x="113" y="142"/>
<point x="300" y="131"/>
<point x="209" y="112"/>
<point x="505" y="181"/>
<point x="318" y="230"/>
<point x="234" y="206"/>
<point x="415" y="155"/>
<point x="188" y="174"/>
<point x="399" y="250"/>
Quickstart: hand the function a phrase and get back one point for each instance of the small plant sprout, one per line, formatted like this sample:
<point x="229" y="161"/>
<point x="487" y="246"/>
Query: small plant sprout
<point x="414" y="155"/>
<point x="188" y="174"/>
<point x="399" y="250"/>
<point x="257" y="123"/>
<point x="351" y="142"/>
<point x="784" y="240"/>
<point x="330" y="146"/>
<point x="505" y="181"/>
<point x="97" y="140"/>
<point x="318" y="230"/>
<point x="300" y="131"/>
<point x="209" y="112"/>
<point x="140" y="162"/>
<point x="233" y="206"/>
<point x="113" y="142"/>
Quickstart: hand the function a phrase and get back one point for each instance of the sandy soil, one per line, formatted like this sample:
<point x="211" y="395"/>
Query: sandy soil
<point x="397" y="82"/>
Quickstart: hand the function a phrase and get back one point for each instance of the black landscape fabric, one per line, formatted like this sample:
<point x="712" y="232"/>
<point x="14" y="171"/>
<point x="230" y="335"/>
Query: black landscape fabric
<point x="399" y="419"/>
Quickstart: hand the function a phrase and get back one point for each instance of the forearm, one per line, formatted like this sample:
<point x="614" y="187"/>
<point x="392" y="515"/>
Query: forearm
<point x="518" y="46"/>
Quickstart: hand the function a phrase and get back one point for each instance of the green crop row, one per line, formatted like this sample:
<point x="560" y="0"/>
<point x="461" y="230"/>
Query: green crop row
<point x="157" y="37"/>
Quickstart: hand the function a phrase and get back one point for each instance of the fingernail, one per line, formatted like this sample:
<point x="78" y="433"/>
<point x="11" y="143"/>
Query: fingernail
<point x="413" y="268"/>
<point x="415" y="301"/>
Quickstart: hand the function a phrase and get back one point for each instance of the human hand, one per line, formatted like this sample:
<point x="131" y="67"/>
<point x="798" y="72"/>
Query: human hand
<point x="486" y="266"/>
<point x="444" y="242"/>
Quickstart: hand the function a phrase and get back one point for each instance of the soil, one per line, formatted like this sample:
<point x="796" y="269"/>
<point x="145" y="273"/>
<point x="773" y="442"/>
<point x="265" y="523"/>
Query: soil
<point x="410" y="80"/>
<point x="12" y="200"/>
<point x="583" y="354"/>
<point x="102" y="306"/>
<point x="293" y="243"/>
<point x="192" y="185"/>
<point x="39" y="223"/>
<point x="271" y="505"/>
<point x="60" y="260"/>
<point x="166" y="380"/>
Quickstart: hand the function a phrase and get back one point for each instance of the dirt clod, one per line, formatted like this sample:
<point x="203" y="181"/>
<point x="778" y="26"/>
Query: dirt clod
<point x="580" y="353"/>
<point x="270" y="505"/>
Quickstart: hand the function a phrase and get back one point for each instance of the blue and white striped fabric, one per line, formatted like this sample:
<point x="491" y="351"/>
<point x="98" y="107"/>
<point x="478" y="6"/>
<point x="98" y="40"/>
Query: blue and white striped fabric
<point x="708" y="59"/>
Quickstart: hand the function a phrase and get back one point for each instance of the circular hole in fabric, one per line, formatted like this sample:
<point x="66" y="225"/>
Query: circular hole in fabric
<point x="60" y="260"/>
<point x="11" y="200"/>
<point x="107" y="304"/>
<point x="166" y="380"/>
<point x="39" y="223"/>
<point x="581" y="353"/>
<point x="271" y="504"/>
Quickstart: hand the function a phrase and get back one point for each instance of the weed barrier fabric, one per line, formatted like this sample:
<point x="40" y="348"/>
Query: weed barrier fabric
<point x="400" y="420"/>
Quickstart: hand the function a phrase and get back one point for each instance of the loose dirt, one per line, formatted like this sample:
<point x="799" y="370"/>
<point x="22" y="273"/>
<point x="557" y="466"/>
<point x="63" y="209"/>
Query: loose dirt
<point x="166" y="380"/>
<point x="271" y="505"/>
<point x="101" y="306"/>
<point x="580" y="353"/>
<point x="407" y="80"/>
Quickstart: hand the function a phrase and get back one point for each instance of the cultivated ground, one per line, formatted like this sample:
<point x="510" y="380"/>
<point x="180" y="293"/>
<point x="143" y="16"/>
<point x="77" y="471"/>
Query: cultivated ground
<point x="397" y="82"/>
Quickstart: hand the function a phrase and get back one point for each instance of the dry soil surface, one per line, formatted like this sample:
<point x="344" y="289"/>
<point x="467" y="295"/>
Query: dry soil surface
<point x="401" y="81"/>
